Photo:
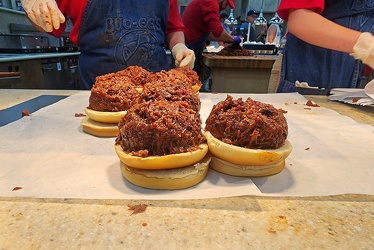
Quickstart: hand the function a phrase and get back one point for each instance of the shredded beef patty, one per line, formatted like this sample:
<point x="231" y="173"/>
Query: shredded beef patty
<point x="171" y="90"/>
<point x="113" y="95"/>
<point x="249" y="124"/>
<point x="138" y="75"/>
<point x="118" y="91"/>
<point x="160" y="128"/>
<point x="191" y="75"/>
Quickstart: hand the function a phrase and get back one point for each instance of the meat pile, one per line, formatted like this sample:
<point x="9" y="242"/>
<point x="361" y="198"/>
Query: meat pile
<point x="160" y="127"/>
<point x="234" y="50"/>
<point x="248" y="124"/>
<point x="119" y="91"/>
<point x="162" y="113"/>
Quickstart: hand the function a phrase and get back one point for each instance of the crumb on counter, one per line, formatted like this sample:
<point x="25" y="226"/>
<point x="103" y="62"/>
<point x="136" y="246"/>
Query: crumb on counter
<point x="137" y="208"/>
<point x="25" y="112"/>
<point x="311" y="104"/>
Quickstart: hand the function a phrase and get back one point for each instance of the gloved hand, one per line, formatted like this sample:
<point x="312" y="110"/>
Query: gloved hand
<point x="237" y="39"/>
<point x="183" y="56"/>
<point x="44" y="13"/>
<point x="364" y="49"/>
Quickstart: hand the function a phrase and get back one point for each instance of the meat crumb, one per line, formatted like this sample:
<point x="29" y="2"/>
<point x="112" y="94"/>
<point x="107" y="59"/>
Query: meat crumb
<point x="311" y="104"/>
<point x="25" y="112"/>
<point x="16" y="188"/>
<point x="137" y="208"/>
<point x="307" y="148"/>
<point x="79" y="115"/>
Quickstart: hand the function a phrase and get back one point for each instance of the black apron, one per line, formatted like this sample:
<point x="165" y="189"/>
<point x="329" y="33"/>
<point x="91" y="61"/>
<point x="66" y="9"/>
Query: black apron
<point x="198" y="47"/>
<point x="116" y="34"/>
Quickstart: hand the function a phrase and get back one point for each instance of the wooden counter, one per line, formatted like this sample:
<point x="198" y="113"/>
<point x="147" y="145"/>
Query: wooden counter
<point x="245" y="222"/>
<point x="240" y="74"/>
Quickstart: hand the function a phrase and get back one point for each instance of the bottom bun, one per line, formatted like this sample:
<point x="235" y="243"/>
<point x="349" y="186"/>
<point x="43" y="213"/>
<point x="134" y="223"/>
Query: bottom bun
<point x="167" y="179"/>
<point x="243" y="170"/>
<point x="99" y="128"/>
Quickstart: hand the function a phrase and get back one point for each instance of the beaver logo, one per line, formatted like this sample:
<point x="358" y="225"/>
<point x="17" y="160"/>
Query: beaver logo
<point x="135" y="47"/>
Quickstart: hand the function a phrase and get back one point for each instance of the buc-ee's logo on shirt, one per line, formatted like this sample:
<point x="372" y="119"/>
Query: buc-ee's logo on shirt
<point x="136" y="40"/>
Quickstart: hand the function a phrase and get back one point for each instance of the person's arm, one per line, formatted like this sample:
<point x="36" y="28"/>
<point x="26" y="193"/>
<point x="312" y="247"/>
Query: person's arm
<point x="271" y="33"/>
<point x="312" y="28"/>
<point x="262" y="33"/>
<point x="174" y="38"/>
<point x="317" y="30"/>
<point x="43" y="14"/>
<point x="224" y="37"/>
<point x="182" y="55"/>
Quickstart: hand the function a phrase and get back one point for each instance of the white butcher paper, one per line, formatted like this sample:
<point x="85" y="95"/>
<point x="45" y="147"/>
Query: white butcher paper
<point x="48" y="155"/>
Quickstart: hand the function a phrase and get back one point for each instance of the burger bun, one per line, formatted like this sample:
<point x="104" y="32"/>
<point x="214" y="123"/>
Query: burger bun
<point x="167" y="179"/>
<point x="164" y="161"/>
<point x="240" y="161"/>
<point x="98" y="128"/>
<point x="105" y="117"/>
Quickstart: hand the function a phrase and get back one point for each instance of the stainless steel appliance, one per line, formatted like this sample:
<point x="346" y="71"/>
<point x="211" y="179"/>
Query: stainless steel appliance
<point x="23" y="43"/>
<point x="61" y="73"/>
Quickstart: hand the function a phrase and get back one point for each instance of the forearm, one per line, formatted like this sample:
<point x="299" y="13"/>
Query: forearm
<point x="174" y="38"/>
<point x="260" y="36"/>
<point x="224" y="37"/>
<point x="317" y="30"/>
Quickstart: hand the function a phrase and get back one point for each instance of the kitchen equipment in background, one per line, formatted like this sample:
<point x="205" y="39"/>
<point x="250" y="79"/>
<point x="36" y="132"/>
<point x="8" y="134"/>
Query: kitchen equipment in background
<point x="9" y="79"/>
<point x="22" y="43"/>
<point x="231" y="20"/>
<point x="260" y="48"/>
<point x="61" y="73"/>
<point x="16" y="4"/>
<point x="53" y="71"/>
<point x="276" y="19"/>
<point x="55" y="44"/>
<point x="260" y="20"/>
<point x="72" y="73"/>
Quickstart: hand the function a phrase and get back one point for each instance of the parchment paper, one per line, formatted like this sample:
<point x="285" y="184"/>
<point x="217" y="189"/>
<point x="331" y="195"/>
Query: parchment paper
<point x="48" y="155"/>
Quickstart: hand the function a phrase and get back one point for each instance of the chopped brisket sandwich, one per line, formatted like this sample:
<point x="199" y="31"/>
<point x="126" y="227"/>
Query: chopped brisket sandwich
<point x="247" y="138"/>
<point x="161" y="145"/>
<point x="111" y="96"/>
<point x="114" y="93"/>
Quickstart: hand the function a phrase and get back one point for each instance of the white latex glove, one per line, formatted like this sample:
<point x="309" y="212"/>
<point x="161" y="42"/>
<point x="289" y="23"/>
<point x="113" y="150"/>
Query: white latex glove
<point x="364" y="49"/>
<point x="44" y="13"/>
<point x="183" y="56"/>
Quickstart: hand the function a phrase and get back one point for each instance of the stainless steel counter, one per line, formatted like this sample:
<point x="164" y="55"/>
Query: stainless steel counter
<point x="10" y="57"/>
